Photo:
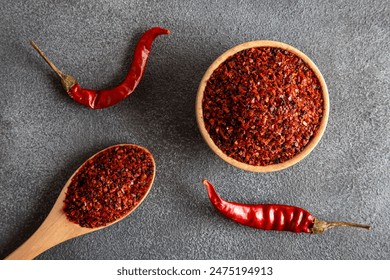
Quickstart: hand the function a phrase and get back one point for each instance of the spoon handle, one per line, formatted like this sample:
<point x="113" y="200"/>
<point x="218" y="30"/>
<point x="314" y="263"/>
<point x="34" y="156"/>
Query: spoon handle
<point x="44" y="238"/>
<point x="54" y="230"/>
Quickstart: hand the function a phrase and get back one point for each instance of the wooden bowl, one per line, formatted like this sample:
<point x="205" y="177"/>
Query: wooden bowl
<point x="273" y="167"/>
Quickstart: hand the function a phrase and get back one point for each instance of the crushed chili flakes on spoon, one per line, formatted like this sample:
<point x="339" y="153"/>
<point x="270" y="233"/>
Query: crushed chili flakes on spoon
<point x="109" y="185"/>
<point x="262" y="106"/>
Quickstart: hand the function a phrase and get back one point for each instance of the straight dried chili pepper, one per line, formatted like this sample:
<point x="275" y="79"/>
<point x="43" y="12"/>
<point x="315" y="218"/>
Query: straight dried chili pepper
<point x="98" y="99"/>
<point x="272" y="216"/>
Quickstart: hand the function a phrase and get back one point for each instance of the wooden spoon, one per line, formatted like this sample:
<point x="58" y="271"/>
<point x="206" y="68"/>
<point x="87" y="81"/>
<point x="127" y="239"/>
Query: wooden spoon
<point x="57" y="228"/>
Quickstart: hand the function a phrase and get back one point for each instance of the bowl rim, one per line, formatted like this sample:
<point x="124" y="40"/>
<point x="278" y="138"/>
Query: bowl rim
<point x="272" y="167"/>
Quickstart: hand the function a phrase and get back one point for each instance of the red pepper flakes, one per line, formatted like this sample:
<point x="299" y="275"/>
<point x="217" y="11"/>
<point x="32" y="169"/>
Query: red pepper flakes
<point x="262" y="106"/>
<point x="108" y="186"/>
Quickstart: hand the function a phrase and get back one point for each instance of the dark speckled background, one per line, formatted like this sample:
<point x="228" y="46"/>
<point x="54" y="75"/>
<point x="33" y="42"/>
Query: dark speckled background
<point x="45" y="136"/>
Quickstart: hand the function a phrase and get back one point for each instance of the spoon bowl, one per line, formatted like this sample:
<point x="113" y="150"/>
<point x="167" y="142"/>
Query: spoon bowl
<point x="57" y="228"/>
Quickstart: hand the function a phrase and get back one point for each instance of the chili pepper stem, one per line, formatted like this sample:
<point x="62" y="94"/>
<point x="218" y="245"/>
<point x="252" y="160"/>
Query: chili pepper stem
<point x="320" y="226"/>
<point x="67" y="81"/>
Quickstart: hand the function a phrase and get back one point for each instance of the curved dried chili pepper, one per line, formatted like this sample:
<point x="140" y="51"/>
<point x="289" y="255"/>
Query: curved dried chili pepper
<point x="272" y="216"/>
<point x="98" y="99"/>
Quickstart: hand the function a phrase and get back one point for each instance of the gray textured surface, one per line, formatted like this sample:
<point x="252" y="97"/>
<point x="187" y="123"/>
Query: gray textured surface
<point x="45" y="136"/>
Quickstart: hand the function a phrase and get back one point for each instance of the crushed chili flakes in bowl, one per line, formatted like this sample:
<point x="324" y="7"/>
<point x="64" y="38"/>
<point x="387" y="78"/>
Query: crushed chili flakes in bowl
<point x="262" y="106"/>
<point x="109" y="185"/>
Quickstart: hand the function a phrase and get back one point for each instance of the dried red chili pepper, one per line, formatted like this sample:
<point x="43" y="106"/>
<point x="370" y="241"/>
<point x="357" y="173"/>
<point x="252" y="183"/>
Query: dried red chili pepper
<point x="98" y="99"/>
<point x="109" y="185"/>
<point x="272" y="216"/>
